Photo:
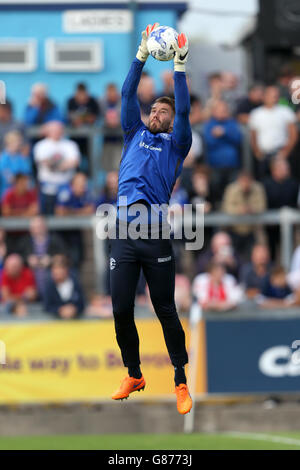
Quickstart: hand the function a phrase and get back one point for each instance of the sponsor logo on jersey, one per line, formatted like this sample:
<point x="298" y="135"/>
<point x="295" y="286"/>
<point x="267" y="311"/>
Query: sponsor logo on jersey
<point x="150" y="147"/>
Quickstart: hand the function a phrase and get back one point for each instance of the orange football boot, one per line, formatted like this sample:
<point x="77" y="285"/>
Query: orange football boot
<point x="129" y="385"/>
<point x="184" y="401"/>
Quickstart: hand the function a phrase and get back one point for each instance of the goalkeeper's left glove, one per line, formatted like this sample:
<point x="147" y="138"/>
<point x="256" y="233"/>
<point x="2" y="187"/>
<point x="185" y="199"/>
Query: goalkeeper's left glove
<point x="181" y="47"/>
<point x="143" y="53"/>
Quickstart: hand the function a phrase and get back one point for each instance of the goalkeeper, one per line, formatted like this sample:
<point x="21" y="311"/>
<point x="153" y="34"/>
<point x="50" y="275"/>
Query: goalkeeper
<point x="151" y="161"/>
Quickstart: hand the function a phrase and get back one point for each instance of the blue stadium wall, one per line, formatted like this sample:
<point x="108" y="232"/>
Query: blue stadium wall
<point x="42" y="23"/>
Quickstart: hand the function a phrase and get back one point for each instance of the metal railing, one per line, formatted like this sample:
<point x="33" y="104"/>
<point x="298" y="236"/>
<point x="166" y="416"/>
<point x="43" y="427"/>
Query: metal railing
<point x="285" y="218"/>
<point x="95" y="134"/>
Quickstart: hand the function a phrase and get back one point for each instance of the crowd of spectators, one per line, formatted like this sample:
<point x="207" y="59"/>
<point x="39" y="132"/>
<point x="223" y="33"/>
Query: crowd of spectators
<point x="49" y="175"/>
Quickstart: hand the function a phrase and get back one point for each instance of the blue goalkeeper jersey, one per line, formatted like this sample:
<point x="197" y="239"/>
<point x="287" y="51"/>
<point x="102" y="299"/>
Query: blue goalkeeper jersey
<point x="151" y="163"/>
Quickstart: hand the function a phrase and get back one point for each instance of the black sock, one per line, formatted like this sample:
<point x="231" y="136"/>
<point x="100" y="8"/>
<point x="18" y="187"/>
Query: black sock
<point x="180" y="377"/>
<point x="135" y="372"/>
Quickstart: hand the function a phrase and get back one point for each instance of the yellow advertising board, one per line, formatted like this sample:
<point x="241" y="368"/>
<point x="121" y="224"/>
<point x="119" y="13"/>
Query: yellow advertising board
<point x="80" y="361"/>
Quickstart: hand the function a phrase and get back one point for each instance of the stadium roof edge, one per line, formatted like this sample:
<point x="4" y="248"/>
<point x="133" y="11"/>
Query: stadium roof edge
<point x="178" y="5"/>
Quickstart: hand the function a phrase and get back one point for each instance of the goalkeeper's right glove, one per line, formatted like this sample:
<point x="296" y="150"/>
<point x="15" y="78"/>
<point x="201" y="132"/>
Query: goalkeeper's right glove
<point x="143" y="53"/>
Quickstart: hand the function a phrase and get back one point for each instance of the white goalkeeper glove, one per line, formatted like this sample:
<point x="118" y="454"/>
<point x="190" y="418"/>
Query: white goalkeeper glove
<point x="181" y="47"/>
<point x="143" y="53"/>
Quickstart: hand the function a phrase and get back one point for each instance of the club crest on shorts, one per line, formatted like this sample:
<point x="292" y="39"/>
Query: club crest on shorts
<point x="112" y="263"/>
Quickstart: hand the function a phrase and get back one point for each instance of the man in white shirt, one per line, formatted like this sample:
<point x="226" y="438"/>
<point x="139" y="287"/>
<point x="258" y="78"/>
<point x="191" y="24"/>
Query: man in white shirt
<point x="56" y="159"/>
<point x="273" y="131"/>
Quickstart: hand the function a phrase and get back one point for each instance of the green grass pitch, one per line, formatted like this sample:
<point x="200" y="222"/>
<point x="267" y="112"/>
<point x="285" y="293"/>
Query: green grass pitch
<point x="226" y="441"/>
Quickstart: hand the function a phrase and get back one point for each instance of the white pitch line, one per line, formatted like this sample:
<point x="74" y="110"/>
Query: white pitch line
<point x="264" y="437"/>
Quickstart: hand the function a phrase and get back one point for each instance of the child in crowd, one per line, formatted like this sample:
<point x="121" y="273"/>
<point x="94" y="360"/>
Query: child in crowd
<point x="276" y="292"/>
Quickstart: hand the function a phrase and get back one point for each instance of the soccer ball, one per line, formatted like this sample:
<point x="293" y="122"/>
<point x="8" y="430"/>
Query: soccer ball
<point x="160" y="41"/>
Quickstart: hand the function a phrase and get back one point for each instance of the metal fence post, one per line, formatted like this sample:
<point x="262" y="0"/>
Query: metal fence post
<point x="247" y="159"/>
<point x="194" y="320"/>
<point x="286" y="236"/>
<point x="99" y="258"/>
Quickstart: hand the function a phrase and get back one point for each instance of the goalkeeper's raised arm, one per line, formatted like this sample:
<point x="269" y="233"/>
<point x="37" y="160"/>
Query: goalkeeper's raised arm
<point x="182" y="134"/>
<point x="130" y="111"/>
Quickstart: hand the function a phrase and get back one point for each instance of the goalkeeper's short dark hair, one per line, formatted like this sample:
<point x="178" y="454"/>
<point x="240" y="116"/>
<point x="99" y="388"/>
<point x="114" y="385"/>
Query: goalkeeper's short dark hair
<point x="166" y="100"/>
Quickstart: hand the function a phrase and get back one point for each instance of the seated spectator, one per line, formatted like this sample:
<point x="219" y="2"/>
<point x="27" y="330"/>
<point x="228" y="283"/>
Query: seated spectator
<point x="179" y="196"/>
<point x="215" y="93"/>
<point x="110" y="191"/>
<point x="6" y="244"/>
<point x="111" y="105"/>
<point x="230" y="86"/>
<point x="146" y="96"/>
<point x="75" y="200"/>
<point x="222" y="139"/>
<point x="182" y="293"/>
<point x="63" y="295"/>
<point x="281" y="190"/>
<point x="37" y="249"/>
<point x="100" y="306"/>
<point x="20" y="200"/>
<point x="13" y="160"/>
<point x="217" y="291"/>
<point x="294" y="274"/>
<point x="201" y="189"/>
<point x="293" y="104"/>
<point x="195" y="154"/>
<point x="83" y="109"/>
<point x="7" y="122"/>
<point x="276" y="292"/>
<point x="284" y="80"/>
<point x="193" y="157"/>
<point x="108" y="196"/>
<point x="253" y="100"/>
<point x="3" y="247"/>
<point x="273" y="131"/>
<point x="18" y="286"/>
<point x="254" y="274"/>
<point x="202" y="196"/>
<point x="244" y="197"/>
<point x="40" y="108"/>
<point x="56" y="159"/>
<point x="178" y="199"/>
<point x="196" y="111"/>
<point x="113" y="139"/>
<point x="221" y="251"/>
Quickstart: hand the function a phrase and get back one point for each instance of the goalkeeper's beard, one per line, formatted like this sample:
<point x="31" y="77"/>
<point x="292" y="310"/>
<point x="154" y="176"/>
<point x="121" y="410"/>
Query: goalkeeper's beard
<point x="157" y="127"/>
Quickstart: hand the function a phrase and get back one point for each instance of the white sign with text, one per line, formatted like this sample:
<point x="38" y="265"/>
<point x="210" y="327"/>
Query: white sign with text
<point x="97" y="21"/>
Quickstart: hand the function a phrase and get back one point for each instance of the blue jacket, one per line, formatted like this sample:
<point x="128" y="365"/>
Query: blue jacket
<point x="52" y="300"/>
<point x="274" y="292"/>
<point x="66" y="198"/>
<point x="10" y="165"/>
<point x="224" y="151"/>
<point x="34" y="116"/>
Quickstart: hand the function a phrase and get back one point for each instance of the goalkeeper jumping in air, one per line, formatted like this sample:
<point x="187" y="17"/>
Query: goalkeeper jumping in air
<point x="151" y="162"/>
